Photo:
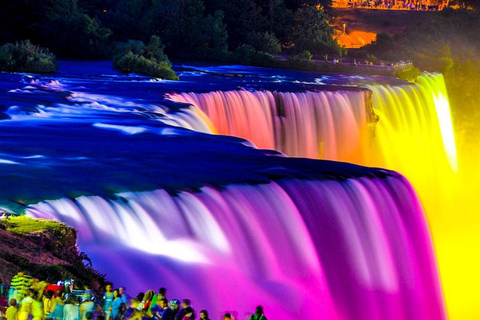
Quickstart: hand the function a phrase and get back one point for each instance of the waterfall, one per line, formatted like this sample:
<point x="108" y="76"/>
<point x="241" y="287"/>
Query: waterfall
<point x="413" y="122"/>
<point x="356" y="248"/>
<point x="406" y="128"/>
<point x="316" y="124"/>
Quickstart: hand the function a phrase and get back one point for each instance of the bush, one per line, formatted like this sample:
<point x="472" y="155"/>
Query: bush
<point x="410" y="74"/>
<point x="149" y="60"/>
<point x="25" y="57"/>
<point x="266" y="42"/>
<point x="301" y="60"/>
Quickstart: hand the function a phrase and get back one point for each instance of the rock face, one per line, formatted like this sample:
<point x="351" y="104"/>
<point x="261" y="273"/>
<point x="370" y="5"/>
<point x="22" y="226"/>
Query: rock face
<point x="45" y="249"/>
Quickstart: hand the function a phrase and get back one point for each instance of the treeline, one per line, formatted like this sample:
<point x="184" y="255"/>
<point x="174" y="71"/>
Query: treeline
<point x="189" y="29"/>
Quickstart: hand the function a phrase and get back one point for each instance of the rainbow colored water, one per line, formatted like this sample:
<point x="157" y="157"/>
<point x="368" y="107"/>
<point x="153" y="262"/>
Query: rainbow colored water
<point x="353" y="249"/>
<point x="408" y="129"/>
<point x="348" y="244"/>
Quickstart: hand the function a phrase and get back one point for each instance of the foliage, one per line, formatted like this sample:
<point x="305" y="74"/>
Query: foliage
<point x="297" y="4"/>
<point x="189" y="29"/>
<point x="266" y="42"/>
<point x="409" y="74"/>
<point x="26" y="57"/>
<point x="301" y="61"/>
<point x="26" y="225"/>
<point x="150" y="60"/>
<point x="313" y="33"/>
<point x="71" y="33"/>
<point x="39" y="238"/>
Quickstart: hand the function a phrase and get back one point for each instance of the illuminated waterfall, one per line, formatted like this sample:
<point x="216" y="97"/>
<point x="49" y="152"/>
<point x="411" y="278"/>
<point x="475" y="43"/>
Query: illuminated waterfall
<point x="357" y="248"/>
<point x="414" y="119"/>
<point x="406" y="128"/>
<point x="325" y="124"/>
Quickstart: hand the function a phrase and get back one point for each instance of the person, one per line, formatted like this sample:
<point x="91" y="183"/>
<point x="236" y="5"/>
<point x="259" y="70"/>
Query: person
<point x="174" y="305"/>
<point x="228" y="316"/>
<point x="161" y="311"/>
<point x="108" y="300"/>
<point x="11" y="313"/>
<point x="147" y="299"/>
<point x="71" y="311"/>
<point x="87" y="293"/>
<point x="258" y="315"/>
<point x="162" y="294"/>
<point x="124" y="296"/>
<point x="137" y="311"/>
<point x="21" y="283"/>
<point x="185" y="311"/>
<point x="38" y="310"/>
<point x="26" y="306"/>
<point x="86" y="306"/>
<point x="204" y="315"/>
<point x="48" y="304"/>
<point x="116" y="304"/>
<point x="57" y="305"/>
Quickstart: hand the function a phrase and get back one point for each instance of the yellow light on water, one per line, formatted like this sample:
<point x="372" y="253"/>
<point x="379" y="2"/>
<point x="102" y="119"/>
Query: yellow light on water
<point x="446" y="129"/>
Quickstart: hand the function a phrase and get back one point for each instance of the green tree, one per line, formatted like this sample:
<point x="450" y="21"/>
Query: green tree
<point x="186" y="31"/>
<point x="71" y="33"/>
<point x="313" y="33"/>
<point x="265" y="41"/>
<point x="26" y="57"/>
<point x="150" y="59"/>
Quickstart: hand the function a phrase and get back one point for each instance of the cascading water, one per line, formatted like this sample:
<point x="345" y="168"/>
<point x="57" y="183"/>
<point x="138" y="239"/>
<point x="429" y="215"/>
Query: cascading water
<point x="334" y="246"/>
<point x="406" y="128"/>
<point x="414" y="119"/>
<point x="352" y="249"/>
<point x="324" y="124"/>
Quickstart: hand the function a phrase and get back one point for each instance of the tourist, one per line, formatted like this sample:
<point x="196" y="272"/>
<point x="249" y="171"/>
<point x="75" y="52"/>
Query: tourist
<point x="135" y="311"/>
<point x="116" y="304"/>
<point x="86" y="306"/>
<point x="162" y="294"/>
<point x="38" y="310"/>
<point x="108" y="300"/>
<point x="204" y="315"/>
<point x="258" y="315"/>
<point x="161" y="310"/>
<point x="71" y="311"/>
<point x="48" y="304"/>
<point x="11" y="313"/>
<point x="57" y="306"/>
<point x="26" y="306"/>
<point x="228" y="316"/>
<point x="124" y="296"/>
<point x="20" y="283"/>
<point x="147" y="300"/>
<point x="174" y="306"/>
<point x="87" y="293"/>
<point x="185" y="311"/>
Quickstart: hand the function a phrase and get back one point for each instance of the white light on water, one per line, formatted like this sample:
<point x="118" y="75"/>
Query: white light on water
<point x="446" y="128"/>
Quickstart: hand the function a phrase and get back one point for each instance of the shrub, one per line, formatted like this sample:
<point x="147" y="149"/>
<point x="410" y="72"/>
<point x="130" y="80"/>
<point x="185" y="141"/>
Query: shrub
<point x="26" y="57"/>
<point x="409" y="74"/>
<point x="266" y="42"/>
<point x="301" y="61"/>
<point x="150" y="60"/>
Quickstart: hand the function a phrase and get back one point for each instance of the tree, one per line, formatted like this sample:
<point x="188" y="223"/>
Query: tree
<point x="313" y="33"/>
<point x="71" y="33"/>
<point x="186" y="31"/>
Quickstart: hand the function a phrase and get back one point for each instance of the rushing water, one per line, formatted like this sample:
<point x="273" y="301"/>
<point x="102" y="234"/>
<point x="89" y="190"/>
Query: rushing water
<point x="160" y="202"/>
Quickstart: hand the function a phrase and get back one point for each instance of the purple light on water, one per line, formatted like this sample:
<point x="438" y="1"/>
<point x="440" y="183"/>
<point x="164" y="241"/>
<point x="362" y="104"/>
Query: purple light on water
<point x="353" y="249"/>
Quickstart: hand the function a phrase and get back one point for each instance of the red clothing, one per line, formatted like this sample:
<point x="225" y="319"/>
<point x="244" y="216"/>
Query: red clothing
<point x="54" y="288"/>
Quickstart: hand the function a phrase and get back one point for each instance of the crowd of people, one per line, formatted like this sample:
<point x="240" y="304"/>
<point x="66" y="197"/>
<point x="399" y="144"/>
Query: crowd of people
<point x="31" y="299"/>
